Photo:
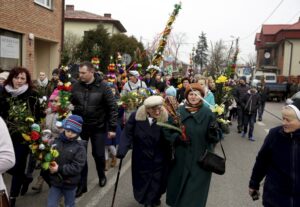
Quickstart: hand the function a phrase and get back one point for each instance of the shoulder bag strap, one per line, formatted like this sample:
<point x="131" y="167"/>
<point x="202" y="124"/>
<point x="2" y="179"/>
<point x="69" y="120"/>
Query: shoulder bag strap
<point x="223" y="150"/>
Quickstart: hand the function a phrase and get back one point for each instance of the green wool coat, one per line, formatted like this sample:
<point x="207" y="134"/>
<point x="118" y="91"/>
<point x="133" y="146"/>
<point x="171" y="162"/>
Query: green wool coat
<point x="188" y="183"/>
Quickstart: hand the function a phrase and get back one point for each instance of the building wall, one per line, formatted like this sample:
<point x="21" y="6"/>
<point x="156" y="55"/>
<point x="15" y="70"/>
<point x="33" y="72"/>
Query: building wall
<point x="24" y="17"/>
<point x="295" y="66"/>
<point x="79" y="28"/>
<point x="280" y="57"/>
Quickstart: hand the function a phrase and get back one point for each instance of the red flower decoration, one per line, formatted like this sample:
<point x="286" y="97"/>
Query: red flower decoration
<point x="35" y="135"/>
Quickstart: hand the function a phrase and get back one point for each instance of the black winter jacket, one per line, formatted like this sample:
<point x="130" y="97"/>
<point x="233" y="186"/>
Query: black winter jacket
<point x="239" y="92"/>
<point x="279" y="162"/>
<point x="250" y="103"/>
<point x="96" y="104"/>
<point x="71" y="160"/>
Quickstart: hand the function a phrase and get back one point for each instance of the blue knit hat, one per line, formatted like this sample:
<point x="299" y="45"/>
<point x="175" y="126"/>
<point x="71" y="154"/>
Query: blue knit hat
<point x="73" y="123"/>
<point x="171" y="91"/>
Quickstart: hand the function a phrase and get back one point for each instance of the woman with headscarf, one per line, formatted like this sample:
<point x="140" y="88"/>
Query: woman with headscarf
<point x="151" y="152"/>
<point x="188" y="183"/>
<point x="278" y="162"/>
<point x="18" y="90"/>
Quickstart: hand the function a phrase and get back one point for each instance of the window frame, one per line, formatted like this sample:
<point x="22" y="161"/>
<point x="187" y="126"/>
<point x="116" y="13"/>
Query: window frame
<point x="50" y="6"/>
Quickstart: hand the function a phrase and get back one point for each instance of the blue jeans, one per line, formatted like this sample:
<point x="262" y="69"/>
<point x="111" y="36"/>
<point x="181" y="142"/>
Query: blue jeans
<point x="56" y="193"/>
<point x="249" y="119"/>
<point x="261" y="109"/>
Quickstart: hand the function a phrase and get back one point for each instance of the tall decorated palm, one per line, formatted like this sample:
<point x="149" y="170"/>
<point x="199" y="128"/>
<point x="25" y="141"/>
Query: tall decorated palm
<point x="158" y="55"/>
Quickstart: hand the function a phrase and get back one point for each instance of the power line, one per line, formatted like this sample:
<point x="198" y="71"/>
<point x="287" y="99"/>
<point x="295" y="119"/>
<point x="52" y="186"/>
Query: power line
<point x="269" y="16"/>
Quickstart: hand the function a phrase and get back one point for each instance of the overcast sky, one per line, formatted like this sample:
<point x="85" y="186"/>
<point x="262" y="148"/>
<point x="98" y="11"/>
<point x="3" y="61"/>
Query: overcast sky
<point x="219" y="19"/>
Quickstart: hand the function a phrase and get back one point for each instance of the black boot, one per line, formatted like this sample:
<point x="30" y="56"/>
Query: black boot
<point x="12" y="201"/>
<point x="102" y="181"/>
<point x="80" y="190"/>
<point x="25" y="185"/>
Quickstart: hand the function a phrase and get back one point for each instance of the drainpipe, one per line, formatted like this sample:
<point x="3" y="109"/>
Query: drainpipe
<point x="62" y="26"/>
<point x="291" y="56"/>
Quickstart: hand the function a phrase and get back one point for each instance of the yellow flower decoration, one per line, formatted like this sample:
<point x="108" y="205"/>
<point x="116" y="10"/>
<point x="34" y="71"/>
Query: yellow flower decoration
<point x="218" y="109"/>
<point x="227" y="88"/>
<point x="221" y="79"/>
<point x="223" y="121"/>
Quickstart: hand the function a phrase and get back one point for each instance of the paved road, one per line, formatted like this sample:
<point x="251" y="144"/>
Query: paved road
<point x="229" y="190"/>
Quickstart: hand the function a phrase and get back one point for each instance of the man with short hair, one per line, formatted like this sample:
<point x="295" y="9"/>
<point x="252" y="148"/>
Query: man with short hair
<point x="94" y="101"/>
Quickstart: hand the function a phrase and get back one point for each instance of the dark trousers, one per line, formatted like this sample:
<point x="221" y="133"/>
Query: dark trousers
<point x="261" y="109"/>
<point x="240" y="119"/>
<point x="18" y="171"/>
<point x="232" y="114"/>
<point x="98" y="151"/>
<point x="249" y="119"/>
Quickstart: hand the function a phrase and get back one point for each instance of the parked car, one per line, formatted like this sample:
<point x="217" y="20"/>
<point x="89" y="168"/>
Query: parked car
<point x="277" y="91"/>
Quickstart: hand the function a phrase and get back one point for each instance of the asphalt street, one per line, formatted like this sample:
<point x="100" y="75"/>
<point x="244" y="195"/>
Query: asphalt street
<point x="228" y="190"/>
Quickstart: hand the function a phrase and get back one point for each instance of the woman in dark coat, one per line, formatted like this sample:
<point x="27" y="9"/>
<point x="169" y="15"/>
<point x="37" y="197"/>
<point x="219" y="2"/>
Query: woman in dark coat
<point x="151" y="152"/>
<point x="278" y="162"/>
<point x="188" y="183"/>
<point x="18" y="90"/>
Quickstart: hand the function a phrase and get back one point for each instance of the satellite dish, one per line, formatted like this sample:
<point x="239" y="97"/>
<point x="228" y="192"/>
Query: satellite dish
<point x="126" y="58"/>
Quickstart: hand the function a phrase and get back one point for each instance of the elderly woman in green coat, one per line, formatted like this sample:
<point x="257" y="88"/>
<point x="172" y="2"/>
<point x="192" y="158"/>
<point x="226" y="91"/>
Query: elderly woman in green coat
<point x="188" y="183"/>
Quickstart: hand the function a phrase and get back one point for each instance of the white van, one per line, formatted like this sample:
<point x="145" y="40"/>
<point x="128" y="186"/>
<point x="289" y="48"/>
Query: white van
<point x="269" y="77"/>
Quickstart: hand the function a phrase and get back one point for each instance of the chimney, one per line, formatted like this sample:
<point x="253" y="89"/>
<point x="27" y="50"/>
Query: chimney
<point x="69" y="7"/>
<point x="107" y="15"/>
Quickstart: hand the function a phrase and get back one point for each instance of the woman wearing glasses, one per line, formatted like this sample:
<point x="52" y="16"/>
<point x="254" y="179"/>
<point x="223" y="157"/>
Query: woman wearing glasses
<point x="150" y="151"/>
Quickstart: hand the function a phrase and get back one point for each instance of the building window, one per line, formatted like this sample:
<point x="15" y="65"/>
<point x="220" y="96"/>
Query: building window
<point x="10" y="49"/>
<point x="45" y="3"/>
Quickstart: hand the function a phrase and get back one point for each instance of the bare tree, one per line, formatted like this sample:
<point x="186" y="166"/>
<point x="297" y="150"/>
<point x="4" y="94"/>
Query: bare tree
<point x="217" y="59"/>
<point x="71" y="42"/>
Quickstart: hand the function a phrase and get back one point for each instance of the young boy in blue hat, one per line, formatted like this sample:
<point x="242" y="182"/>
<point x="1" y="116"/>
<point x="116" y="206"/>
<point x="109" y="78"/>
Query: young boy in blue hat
<point x="65" y="170"/>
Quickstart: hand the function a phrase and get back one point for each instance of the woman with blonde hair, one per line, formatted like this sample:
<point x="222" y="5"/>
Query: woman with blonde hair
<point x="208" y="95"/>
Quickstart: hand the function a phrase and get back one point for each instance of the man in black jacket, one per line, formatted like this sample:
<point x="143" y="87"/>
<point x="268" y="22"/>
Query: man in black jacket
<point x="94" y="101"/>
<point x="239" y="92"/>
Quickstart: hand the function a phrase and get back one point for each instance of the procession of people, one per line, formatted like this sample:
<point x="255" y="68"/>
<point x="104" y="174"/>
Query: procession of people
<point x="167" y="130"/>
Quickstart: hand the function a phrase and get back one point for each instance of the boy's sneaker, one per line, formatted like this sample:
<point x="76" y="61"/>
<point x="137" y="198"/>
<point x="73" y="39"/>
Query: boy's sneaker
<point x="251" y="139"/>
<point x="243" y="134"/>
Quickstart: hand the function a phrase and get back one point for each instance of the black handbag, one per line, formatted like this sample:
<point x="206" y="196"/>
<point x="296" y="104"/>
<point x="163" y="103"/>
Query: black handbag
<point x="3" y="200"/>
<point x="212" y="162"/>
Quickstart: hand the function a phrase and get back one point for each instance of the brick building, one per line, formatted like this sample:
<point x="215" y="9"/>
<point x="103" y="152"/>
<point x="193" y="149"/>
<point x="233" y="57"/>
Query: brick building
<point x="31" y="34"/>
<point x="278" y="48"/>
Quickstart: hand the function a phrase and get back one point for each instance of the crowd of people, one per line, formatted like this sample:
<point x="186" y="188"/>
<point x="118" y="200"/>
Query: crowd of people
<point x="164" y="159"/>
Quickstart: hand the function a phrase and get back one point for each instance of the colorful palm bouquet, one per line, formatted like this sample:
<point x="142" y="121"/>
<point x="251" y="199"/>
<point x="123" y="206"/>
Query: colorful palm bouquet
<point x="41" y="145"/>
<point x="222" y="97"/>
<point x="132" y="100"/>
<point x="64" y="86"/>
<point x="21" y="121"/>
